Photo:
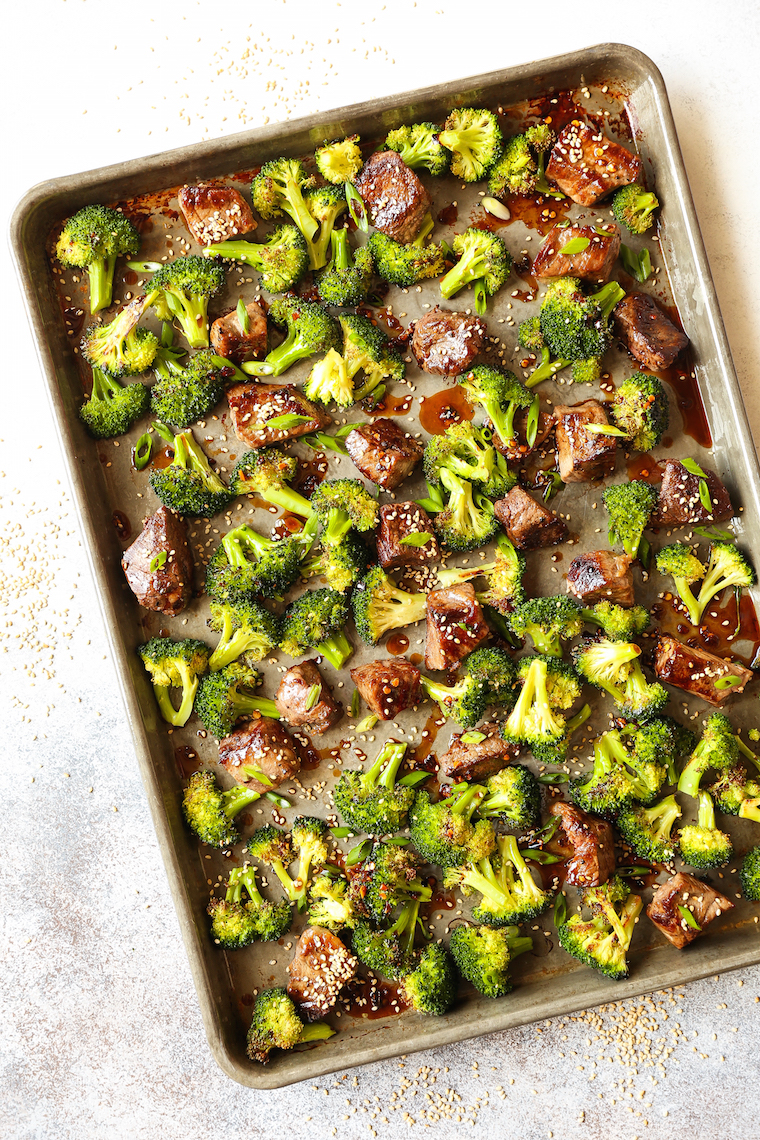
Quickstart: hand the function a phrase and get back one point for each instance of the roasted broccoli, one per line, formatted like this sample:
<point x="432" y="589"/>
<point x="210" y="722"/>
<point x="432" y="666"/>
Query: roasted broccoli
<point x="463" y="524"/>
<point x="379" y="605"/>
<point x="282" y="260"/>
<point x="331" y="903"/>
<point x="648" y="829"/>
<point x="535" y="721"/>
<point x="228" y="694"/>
<point x="276" y="1025"/>
<point x="614" y="667"/>
<point x="431" y="987"/>
<point x="342" y="565"/>
<point x="325" y="204"/>
<point x="474" y="139"/>
<point x="575" y="326"/>
<point x="248" y="564"/>
<point x="702" y="844"/>
<point x="639" y="408"/>
<point x="484" y="955"/>
<point x="419" y="147"/>
<point x="499" y="393"/>
<point x="339" y="161"/>
<point x="236" y="923"/>
<point x="308" y="835"/>
<point x="749" y="875"/>
<point x="265" y="472"/>
<point x="494" y="671"/>
<point x="309" y="329"/>
<point x="209" y="812"/>
<point x="629" y="506"/>
<point x="633" y="207"/>
<point x="463" y="702"/>
<point x="188" y="485"/>
<point x="174" y="665"/>
<point x="315" y="621"/>
<point x="621" y="776"/>
<point x="184" y="395"/>
<point x="618" y="623"/>
<point x="92" y="240"/>
<point x="279" y="187"/>
<point x="602" y="942"/>
<point x="736" y="793"/>
<point x="716" y="749"/>
<point x="484" y="262"/>
<point x="444" y="833"/>
<point x="726" y="568"/>
<point x="548" y="621"/>
<point x="111" y="409"/>
<point x="120" y="348"/>
<point x="271" y="846"/>
<point x="679" y="561"/>
<point x="347" y="279"/>
<point x="405" y="265"/>
<point x="388" y="951"/>
<point x="504" y="577"/>
<point x="329" y="382"/>
<point x="371" y="800"/>
<point x="342" y="505"/>
<point x="467" y="452"/>
<point x="367" y="348"/>
<point x="514" y="797"/>
<point x="182" y="290"/>
<point x="388" y="877"/>
<point x="517" y="171"/>
<point x="509" y="892"/>
<point x="245" y="628"/>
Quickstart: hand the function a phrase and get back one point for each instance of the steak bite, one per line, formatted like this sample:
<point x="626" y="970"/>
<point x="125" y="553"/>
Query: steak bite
<point x="594" y="263"/>
<point x="229" y="340"/>
<point x="215" y="213"/>
<point x="455" y="626"/>
<point x="252" y="405"/>
<point x="261" y="745"/>
<point x="601" y="576"/>
<point x="683" y="890"/>
<point x="321" y="968"/>
<point x="586" y="165"/>
<point x="529" y="524"/>
<point x="304" y="699"/>
<point x="476" y="760"/>
<point x="518" y="447"/>
<point x="383" y="452"/>
<point x="396" y="200"/>
<point x="696" y="671"/>
<point x="388" y="686"/>
<point x="679" y="503"/>
<point x="446" y="343"/>
<point x="647" y="333"/>
<point x="168" y="587"/>
<point x="593" y="845"/>
<point x="583" y="456"/>
<point x="397" y="522"/>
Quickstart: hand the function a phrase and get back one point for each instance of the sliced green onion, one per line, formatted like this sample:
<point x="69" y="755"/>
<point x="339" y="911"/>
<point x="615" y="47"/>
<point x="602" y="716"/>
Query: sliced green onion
<point x="142" y="452"/>
<point x="284" y="423"/>
<point x="256" y="774"/>
<point x="165" y="432"/>
<point x="274" y="798"/>
<point x="167" y="334"/>
<point x="531" y="424"/>
<point x="727" y="682"/>
<point x="604" y="429"/>
<point x="312" y="697"/>
<point x="638" y="265"/>
<point x="714" y="535"/>
<point x="355" y="703"/>
<point x="359" y="853"/>
<point x="159" y="560"/>
<point x="575" y="245"/>
<point x="634" y="872"/>
<point x="368" y="723"/>
<point x="560" y="910"/>
<point x="356" y="208"/>
<point x="144" y="266"/>
<point x="414" y="778"/>
<point x="397" y="841"/>
<point x="553" y="778"/>
<point x="539" y="856"/>
<point x="472" y="737"/>
<point x="481" y="296"/>
<point x="242" y="316"/>
<point x="341" y="832"/>
<point x="688" y="918"/>
<point x="421" y="538"/>
<point x="321" y="441"/>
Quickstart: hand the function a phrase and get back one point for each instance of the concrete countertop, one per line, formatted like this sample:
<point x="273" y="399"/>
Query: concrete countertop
<point x="101" y="1034"/>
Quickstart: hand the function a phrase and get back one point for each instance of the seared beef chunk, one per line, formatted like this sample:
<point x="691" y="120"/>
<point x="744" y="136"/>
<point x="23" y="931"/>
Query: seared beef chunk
<point x="215" y="213"/>
<point x="517" y="448"/>
<point x="261" y="745"/>
<point x="397" y="521"/>
<point x="395" y="198"/>
<point x="684" y="890"/>
<point x="528" y="523"/>
<point x="455" y="626"/>
<point x="679" y="503"/>
<point x="592" y="842"/>
<point x="476" y="761"/>
<point x="383" y="452"/>
<point x="696" y="671"/>
<point x="166" y="588"/>
<point x="446" y="343"/>
<point x="251" y="405"/>
<point x="388" y="686"/>
<point x="583" y="456"/>
<point x="601" y="576"/>
<point x="304" y="699"/>
<point x="647" y="333"/>
<point x="586" y="165"/>
<point x="321" y="968"/>
<point x="229" y="340"/>
<point x="594" y="263"/>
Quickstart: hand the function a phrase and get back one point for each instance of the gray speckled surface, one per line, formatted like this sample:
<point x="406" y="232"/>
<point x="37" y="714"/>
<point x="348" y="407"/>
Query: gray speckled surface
<point x="101" y="1035"/>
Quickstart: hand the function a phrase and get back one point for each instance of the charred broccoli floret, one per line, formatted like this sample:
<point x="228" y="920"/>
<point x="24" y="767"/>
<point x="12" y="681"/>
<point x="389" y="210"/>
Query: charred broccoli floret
<point x="548" y="621"/>
<point x="325" y="204"/>
<point x="614" y="667"/>
<point x="228" y="694"/>
<point x="248" y="564"/>
<point x="467" y="452"/>
<point x="388" y="877"/>
<point x="484" y="262"/>
<point x="174" y="665"/>
<point x="92" y="240"/>
<point x="717" y="749"/>
<point x="736" y="793"/>
<point x="342" y="505"/>
<point x="347" y="279"/>
<point x="620" y="777"/>
<point x="315" y="621"/>
<point x="431" y="987"/>
<point x="509" y="892"/>
<point x="474" y="139"/>
<point x="602" y="942"/>
<point x="390" y="951"/>
<point x="120" y="348"/>
<point x="308" y="835"/>
<point x="617" y="623"/>
<point x="367" y="348"/>
<point x="575" y="326"/>
<point x="535" y="720"/>
<point x="185" y="394"/>
<point x="514" y="797"/>
<point x="276" y="1025"/>
<point x="379" y="606"/>
<point x="633" y="207"/>
<point x="342" y="565"/>
<point x="484" y="955"/>
<point x="419" y="147"/>
<point x="685" y="569"/>
<point x="749" y="874"/>
<point x="703" y="845"/>
<point x="640" y="410"/>
<point x="209" y="812"/>
<point x="182" y="290"/>
<point x="339" y="161"/>
<point x="282" y="260"/>
<point x="499" y="393"/>
<point x="111" y="409"/>
<point x="372" y="801"/>
<point x="629" y="506"/>
<point x="266" y="472"/>
<point x="648" y="830"/>
<point x="726" y="568"/>
<point x="504" y="577"/>
<point x="518" y="171"/>
<point x="236" y="922"/>
<point x="405" y="265"/>
<point x="331" y="904"/>
<point x="279" y="188"/>
<point x="245" y="627"/>
<point x="463" y="524"/>
<point x="444" y="833"/>
<point x="309" y="329"/>
<point x="188" y="485"/>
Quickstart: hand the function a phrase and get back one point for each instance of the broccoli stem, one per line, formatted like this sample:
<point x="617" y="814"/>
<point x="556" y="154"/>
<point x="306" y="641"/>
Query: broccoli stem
<point x="187" y="452"/>
<point x="470" y="267"/>
<point x="235" y="540"/>
<point x="392" y="756"/>
<point x="341" y="257"/>
<point x="291" y="888"/>
<point x="746" y="751"/>
<point x="608" y="296"/>
<point x="427" y="227"/>
<point x="163" y="699"/>
<point x="482" y="878"/>
<point x="100" y="273"/>
<point x="517" y="945"/>
<point x="693" y="607"/>
<point x="316" y="1031"/>
<point x="192" y="313"/>
<point x="468" y="801"/>
<point x="546" y="369"/>
<point x="706" y="811"/>
<point x="338" y="526"/>
<point x="288" y="499"/>
<point x="282" y="357"/>
<point x="103" y="385"/>
<point x="441" y="694"/>
<point x="576" y="721"/>
<point x="691" y="775"/>
<point x="518" y="717"/>
<point x="336" y="649"/>
<point x="234" y="800"/>
<point x="298" y="210"/>
<point x="241" y="877"/>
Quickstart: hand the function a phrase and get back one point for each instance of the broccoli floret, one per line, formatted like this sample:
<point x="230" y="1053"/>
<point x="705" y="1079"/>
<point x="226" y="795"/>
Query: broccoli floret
<point x="308" y="836"/>
<point x="462" y="525"/>
<point x="575" y="326"/>
<point x="629" y="506"/>
<point x="388" y="952"/>
<point x="466" y="451"/>
<point x="726" y="568"/>
<point x="120" y="348"/>
<point x="586" y="371"/>
<point x="484" y="262"/>
<point x="236" y="923"/>
<point x="339" y="161"/>
<point x="111" y="410"/>
<point x="281" y="261"/>
<point x="325" y="204"/>
<point x="514" y="797"/>
<point x="343" y="504"/>
<point x="265" y="472"/>
<point x="342" y="565"/>
<point x="494" y="670"/>
<point x="329" y="382"/>
<point x="366" y="347"/>
<point x="188" y="486"/>
<point x="618" y="623"/>
<point x="182" y="289"/>
<point x="548" y="621"/>
<point x="533" y="721"/>
<point x="419" y="147"/>
<point x="529" y="335"/>
<point x="474" y="138"/>
<point x="640" y="410"/>
<point x="648" y="830"/>
<point x="174" y="665"/>
<point x="228" y="694"/>
<point x="248" y="564"/>
<point x="444" y="833"/>
<point x="602" y="942"/>
<point x="331" y="904"/>
<point x="749" y="874"/>
<point x="372" y="801"/>
<point x="184" y="395"/>
<point x="209" y="811"/>
<point x="431" y="987"/>
<point x="315" y="621"/>
<point x="648" y="756"/>
<point x="309" y="329"/>
<point x="509" y="892"/>
<point x="684" y="567"/>
<point x="633" y="207"/>
<point x="484" y="955"/>
<point x="717" y="749"/>
<point x="379" y="606"/>
<point x="463" y="702"/>
<point x="504" y="577"/>
<point x="276" y="1025"/>
<point x="92" y="240"/>
<point x="405" y="265"/>
<point x="516" y="171"/>
<point x="279" y="187"/>
<point x="347" y="279"/>
<point x="737" y="794"/>
<point x="611" y="787"/>
<point x="388" y="877"/>
<point x="703" y="845"/>
<point x="499" y="393"/>
<point x="614" y="667"/>
<point x="271" y="846"/>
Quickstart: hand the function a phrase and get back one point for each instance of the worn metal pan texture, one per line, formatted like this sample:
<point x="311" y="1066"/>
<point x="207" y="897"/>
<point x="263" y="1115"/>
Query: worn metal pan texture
<point x="625" y="90"/>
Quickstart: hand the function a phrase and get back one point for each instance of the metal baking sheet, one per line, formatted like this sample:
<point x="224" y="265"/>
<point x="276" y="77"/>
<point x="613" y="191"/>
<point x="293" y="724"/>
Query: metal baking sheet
<point x="626" y="88"/>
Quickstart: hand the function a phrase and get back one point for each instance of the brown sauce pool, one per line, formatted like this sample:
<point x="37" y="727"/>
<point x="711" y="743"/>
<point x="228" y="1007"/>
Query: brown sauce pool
<point x="444" y="408"/>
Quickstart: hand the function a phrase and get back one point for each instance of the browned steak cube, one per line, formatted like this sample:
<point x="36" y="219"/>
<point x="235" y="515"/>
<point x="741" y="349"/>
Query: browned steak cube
<point x="388" y="686"/>
<point x="679" y="504"/>
<point x="167" y="588"/>
<point x="592" y="842"/>
<point x="528" y="523"/>
<point x="383" y="452"/>
<point x="395" y="198"/>
<point x="397" y="522"/>
<point x="251" y="405"/>
<point x="583" y="456"/>
<point x="696" y="671"/>
<point x="601" y="576"/>
<point x="215" y="213"/>
<point x="704" y="903"/>
<point x="305" y="700"/>
<point x="594" y="263"/>
<point x="229" y="340"/>
<point x="261" y="745"/>
<point x="321" y="968"/>
<point x="586" y="165"/>
<point x="446" y="343"/>
<point x="476" y="760"/>
<point x="455" y="626"/>
<point x="647" y="333"/>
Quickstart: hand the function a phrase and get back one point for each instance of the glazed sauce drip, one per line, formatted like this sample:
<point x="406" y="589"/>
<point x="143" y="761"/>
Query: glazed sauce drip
<point x="130" y="277"/>
<point x="524" y="270"/>
<point x="448" y="215"/>
<point x="397" y="644"/>
<point x="443" y="900"/>
<point x="535" y="211"/>
<point x="162" y="459"/>
<point x="447" y="407"/>
<point x="246" y="999"/>
<point x="682" y="379"/>
<point x="309" y="475"/>
<point x="416" y="659"/>
<point x="421" y="753"/>
<point x="287" y="525"/>
<point x="645" y="467"/>
<point x="393" y="405"/>
<point x="309" y="756"/>
<point x="123" y="528"/>
<point x="74" y="319"/>
<point x="187" y="760"/>
<point x="717" y="633"/>
<point x="371" y="999"/>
